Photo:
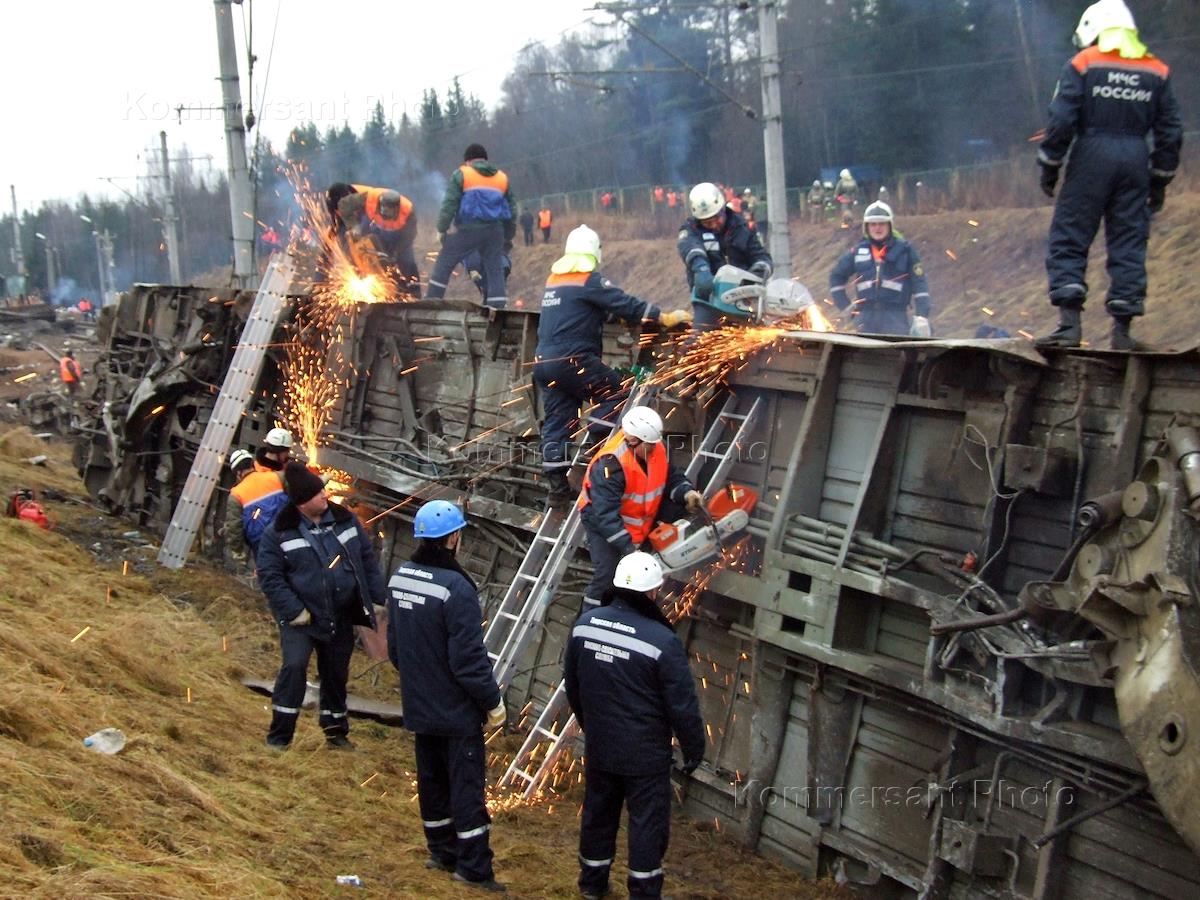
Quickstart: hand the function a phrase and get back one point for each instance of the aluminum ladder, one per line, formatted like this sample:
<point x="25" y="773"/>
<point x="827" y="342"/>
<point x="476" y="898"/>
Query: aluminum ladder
<point x="519" y="774"/>
<point x="531" y="591"/>
<point x="241" y="378"/>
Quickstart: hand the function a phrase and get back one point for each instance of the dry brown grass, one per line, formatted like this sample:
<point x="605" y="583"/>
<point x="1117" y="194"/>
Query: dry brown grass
<point x="195" y="805"/>
<point x="998" y="263"/>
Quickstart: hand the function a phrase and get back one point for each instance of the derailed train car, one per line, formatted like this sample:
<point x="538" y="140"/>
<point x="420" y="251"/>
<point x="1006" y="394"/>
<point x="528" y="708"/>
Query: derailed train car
<point x="960" y="656"/>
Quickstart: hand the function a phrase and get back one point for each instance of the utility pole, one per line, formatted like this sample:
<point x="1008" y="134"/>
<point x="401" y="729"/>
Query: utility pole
<point x="105" y="242"/>
<point x="51" y="281"/>
<point x="170" y="220"/>
<point x="241" y="209"/>
<point x="18" y="255"/>
<point x="778" y="235"/>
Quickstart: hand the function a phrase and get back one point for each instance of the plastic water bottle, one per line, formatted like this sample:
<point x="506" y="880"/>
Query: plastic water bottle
<point x="352" y="880"/>
<point x="108" y="741"/>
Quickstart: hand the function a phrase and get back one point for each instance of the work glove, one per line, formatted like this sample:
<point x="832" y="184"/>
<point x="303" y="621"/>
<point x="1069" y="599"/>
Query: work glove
<point x="920" y="327"/>
<point x="301" y="620"/>
<point x="442" y="238"/>
<point x="702" y="283"/>
<point x="694" y="500"/>
<point x="689" y="766"/>
<point x="762" y="269"/>
<point x="675" y="317"/>
<point x="1158" y="195"/>
<point x="498" y="716"/>
<point x="1049" y="179"/>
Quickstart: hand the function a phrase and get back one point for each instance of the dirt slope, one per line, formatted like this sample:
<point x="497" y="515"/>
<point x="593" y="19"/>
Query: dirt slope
<point x="998" y="263"/>
<point x="195" y="805"/>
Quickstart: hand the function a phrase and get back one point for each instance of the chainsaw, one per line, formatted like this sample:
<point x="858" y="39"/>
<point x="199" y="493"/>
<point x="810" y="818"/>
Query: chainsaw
<point x="745" y="295"/>
<point x="685" y="543"/>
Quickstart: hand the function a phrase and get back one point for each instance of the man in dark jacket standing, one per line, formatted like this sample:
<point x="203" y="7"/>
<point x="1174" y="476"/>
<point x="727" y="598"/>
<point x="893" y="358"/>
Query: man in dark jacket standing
<point x="568" y="368"/>
<point x="630" y="687"/>
<point x="480" y="204"/>
<point x="321" y="577"/>
<point x="435" y="640"/>
<point x="714" y="235"/>
<point x="887" y="277"/>
<point x="527" y="226"/>
<point x="1110" y="97"/>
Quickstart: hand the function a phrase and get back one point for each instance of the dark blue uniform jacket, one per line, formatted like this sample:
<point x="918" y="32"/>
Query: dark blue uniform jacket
<point x="630" y="687"/>
<point x="295" y="575"/>
<point x="435" y="639"/>
<point x="734" y="244"/>
<point x="575" y="308"/>
<point x="892" y="283"/>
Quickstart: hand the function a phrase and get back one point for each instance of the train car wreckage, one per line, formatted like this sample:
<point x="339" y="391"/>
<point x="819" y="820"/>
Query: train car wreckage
<point x="962" y="655"/>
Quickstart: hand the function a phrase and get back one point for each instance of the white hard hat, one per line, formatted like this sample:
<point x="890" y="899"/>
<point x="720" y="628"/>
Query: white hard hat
<point x="845" y="173"/>
<point x="879" y="212"/>
<point x="638" y="572"/>
<point x="643" y="423"/>
<point x="278" y="437"/>
<point x="1100" y="17"/>
<point x="705" y="200"/>
<point x="585" y="242"/>
<point x="816" y="182"/>
<point x="240" y="458"/>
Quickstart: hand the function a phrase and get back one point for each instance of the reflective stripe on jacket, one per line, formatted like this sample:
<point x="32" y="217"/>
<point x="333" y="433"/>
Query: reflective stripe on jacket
<point x="261" y="496"/>
<point x="644" y="488"/>
<point x="893" y="281"/>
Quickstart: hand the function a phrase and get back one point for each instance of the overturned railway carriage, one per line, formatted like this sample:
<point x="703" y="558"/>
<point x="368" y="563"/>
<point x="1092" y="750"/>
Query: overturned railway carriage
<point x="960" y="655"/>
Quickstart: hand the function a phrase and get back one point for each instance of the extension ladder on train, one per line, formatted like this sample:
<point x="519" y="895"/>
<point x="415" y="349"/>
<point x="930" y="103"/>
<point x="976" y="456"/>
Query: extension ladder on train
<point x="545" y="727"/>
<point x="240" y="381"/>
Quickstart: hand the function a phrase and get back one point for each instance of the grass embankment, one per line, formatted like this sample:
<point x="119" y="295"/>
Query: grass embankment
<point x="195" y="805"/>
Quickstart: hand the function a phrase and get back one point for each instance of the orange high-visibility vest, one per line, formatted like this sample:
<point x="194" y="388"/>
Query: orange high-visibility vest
<point x="643" y="487"/>
<point x="372" y="209"/>
<point x="68" y="369"/>
<point x="659" y="195"/>
<point x="544" y="217"/>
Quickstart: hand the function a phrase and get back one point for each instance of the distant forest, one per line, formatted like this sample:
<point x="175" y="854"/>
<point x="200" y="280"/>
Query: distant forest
<point x="667" y="94"/>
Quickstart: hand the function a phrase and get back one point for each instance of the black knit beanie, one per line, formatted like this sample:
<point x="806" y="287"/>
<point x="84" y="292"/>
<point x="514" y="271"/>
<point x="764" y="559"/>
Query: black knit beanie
<point x="301" y="484"/>
<point x="475" y="151"/>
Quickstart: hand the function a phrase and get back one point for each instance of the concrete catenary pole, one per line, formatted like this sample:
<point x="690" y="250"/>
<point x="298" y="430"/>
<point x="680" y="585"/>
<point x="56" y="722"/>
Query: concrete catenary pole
<point x="170" y="219"/>
<point x="18" y="255"/>
<point x="778" y="236"/>
<point x="241" y="209"/>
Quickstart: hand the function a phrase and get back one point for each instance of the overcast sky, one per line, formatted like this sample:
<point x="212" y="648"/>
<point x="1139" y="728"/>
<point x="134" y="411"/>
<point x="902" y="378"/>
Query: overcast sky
<point x="88" y="86"/>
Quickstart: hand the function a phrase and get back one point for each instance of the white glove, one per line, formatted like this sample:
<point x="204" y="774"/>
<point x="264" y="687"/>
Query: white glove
<point x="498" y="716"/>
<point x="920" y="327"/>
<point x="693" y="500"/>
<point x="303" y="619"/>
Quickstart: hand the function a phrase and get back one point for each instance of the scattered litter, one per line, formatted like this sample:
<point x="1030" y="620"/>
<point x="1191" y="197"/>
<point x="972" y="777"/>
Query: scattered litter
<point x="131" y="534"/>
<point x="86" y="629"/>
<point x="109" y="741"/>
<point x="39" y="460"/>
<point x="352" y="880"/>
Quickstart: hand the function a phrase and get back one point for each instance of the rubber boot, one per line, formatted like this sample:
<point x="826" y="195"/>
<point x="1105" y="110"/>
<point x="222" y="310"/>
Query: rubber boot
<point x="560" y="488"/>
<point x="1069" y="331"/>
<point x="1121" y="338"/>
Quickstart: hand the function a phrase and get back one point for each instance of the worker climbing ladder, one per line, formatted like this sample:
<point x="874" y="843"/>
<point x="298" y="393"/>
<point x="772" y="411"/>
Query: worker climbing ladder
<point x="528" y="597"/>
<point x="240" y="381"/>
<point x="546" y="731"/>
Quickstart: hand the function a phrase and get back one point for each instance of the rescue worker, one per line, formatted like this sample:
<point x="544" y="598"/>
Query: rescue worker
<point x="887" y="277"/>
<point x="623" y="492"/>
<point x="274" y="452"/>
<point x="816" y="202"/>
<point x="480" y="204"/>
<point x="846" y="192"/>
<point x="711" y="237"/>
<point x="527" y="226"/>
<point x="1110" y="97"/>
<point x="568" y="368"/>
<point x="628" y="681"/>
<point x="241" y="464"/>
<point x="382" y="221"/>
<point x="68" y="371"/>
<point x="749" y="208"/>
<point x="435" y="641"/>
<point x="321" y="577"/>
<point x="254" y="502"/>
<point x="545" y="220"/>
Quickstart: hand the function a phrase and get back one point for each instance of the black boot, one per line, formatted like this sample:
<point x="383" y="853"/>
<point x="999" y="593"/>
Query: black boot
<point x="560" y="487"/>
<point x="1069" y="331"/>
<point x="1121" y="338"/>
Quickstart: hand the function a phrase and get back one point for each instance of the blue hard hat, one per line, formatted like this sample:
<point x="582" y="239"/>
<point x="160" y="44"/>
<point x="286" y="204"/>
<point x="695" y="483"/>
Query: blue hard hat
<point x="438" y="518"/>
